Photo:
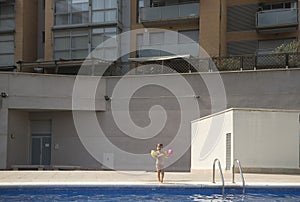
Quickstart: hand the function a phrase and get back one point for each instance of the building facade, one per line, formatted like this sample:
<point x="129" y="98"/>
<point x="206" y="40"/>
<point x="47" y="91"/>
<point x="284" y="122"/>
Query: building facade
<point x="58" y="29"/>
<point x="37" y="125"/>
<point x="70" y="29"/>
<point x="36" y="112"/>
<point x="223" y="27"/>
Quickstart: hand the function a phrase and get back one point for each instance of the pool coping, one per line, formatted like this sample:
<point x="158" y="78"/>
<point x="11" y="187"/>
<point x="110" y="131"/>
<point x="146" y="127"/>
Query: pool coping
<point x="126" y="184"/>
<point x="135" y="178"/>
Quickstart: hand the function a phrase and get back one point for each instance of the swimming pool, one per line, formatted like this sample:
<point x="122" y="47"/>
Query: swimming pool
<point x="147" y="193"/>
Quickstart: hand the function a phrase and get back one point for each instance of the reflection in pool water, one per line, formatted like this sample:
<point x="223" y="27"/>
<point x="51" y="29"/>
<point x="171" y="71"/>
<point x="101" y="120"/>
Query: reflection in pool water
<point x="147" y="193"/>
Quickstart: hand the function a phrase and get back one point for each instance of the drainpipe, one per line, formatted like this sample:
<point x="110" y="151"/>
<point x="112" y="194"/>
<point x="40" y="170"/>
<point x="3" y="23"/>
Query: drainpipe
<point x="220" y="28"/>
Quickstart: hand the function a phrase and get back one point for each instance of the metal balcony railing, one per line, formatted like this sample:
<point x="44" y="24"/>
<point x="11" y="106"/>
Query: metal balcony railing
<point x="232" y="63"/>
<point x="174" y="12"/>
<point x="276" y="18"/>
<point x="261" y="61"/>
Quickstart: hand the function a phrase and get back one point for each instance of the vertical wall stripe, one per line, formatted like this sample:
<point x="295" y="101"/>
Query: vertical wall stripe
<point x="241" y="18"/>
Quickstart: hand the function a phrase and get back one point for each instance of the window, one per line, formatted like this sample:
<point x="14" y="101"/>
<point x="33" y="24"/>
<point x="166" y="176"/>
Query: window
<point x="152" y="49"/>
<point x="99" y="35"/>
<point x="191" y="34"/>
<point x="71" y="44"/>
<point x="78" y="11"/>
<point x="7" y="18"/>
<point x="7" y="26"/>
<point x="109" y="50"/>
<point x="71" y="12"/>
<point x="281" y="5"/>
<point x="6" y="49"/>
<point x="75" y="44"/>
<point x="104" y="11"/>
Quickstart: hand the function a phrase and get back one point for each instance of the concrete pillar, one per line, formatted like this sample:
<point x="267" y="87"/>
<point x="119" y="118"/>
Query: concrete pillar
<point x="212" y="26"/>
<point x="49" y="20"/>
<point x="3" y="136"/>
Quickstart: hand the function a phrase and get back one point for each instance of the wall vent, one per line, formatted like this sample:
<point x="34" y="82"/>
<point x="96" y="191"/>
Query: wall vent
<point x="228" y="151"/>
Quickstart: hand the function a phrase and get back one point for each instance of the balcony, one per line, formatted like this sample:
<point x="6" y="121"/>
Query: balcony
<point x="165" y="65"/>
<point x="276" y="21"/>
<point x="175" y="13"/>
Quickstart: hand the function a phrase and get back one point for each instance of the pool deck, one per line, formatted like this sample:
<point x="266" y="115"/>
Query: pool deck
<point x="95" y="178"/>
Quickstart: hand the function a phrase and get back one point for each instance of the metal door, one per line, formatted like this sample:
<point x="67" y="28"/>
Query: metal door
<point x="41" y="150"/>
<point x="35" y="150"/>
<point x="46" y="151"/>
<point x="40" y="142"/>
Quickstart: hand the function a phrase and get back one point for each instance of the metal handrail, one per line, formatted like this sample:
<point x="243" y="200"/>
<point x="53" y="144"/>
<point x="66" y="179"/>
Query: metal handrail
<point x="241" y="172"/>
<point x="221" y="174"/>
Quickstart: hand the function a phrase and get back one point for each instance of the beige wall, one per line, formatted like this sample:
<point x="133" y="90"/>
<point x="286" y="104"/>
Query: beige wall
<point x="212" y="32"/>
<point x="26" y="31"/>
<point x="30" y="25"/>
<point x="19" y="31"/>
<point x="49" y="20"/>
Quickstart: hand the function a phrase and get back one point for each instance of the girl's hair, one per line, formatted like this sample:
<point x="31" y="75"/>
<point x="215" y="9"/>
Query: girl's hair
<point x="161" y="145"/>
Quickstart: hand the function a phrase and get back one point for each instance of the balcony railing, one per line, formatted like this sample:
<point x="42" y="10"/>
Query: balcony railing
<point x="233" y="63"/>
<point x="279" y="18"/>
<point x="174" y="12"/>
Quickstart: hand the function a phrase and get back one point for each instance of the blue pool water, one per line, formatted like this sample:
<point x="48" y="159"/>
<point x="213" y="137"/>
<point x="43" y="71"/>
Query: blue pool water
<point x="146" y="193"/>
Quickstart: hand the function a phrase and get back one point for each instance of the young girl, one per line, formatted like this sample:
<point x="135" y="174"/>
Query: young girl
<point x="160" y="162"/>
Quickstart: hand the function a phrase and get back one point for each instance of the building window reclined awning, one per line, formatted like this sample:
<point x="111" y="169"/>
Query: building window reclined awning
<point x="163" y="64"/>
<point x="159" y="58"/>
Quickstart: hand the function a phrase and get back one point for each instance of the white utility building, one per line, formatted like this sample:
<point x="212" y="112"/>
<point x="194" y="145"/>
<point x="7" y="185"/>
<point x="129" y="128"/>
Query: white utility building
<point x="261" y="139"/>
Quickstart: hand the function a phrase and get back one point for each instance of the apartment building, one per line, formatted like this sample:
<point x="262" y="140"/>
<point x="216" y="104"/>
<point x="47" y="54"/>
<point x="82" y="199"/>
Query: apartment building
<point x="222" y="27"/>
<point x="55" y="30"/>
<point x="40" y="30"/>
<point x="258" y="27"/>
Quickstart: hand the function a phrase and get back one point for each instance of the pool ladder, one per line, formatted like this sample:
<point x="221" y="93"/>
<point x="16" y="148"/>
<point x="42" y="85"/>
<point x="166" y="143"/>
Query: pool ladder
<point x="241" y="173"/>
<point x="221" y="174"/>
<point x="233" y="172"/>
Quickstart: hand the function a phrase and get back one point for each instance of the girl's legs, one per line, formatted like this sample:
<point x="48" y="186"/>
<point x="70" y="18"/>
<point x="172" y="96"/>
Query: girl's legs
<point x="162" y="171"/>
<point x="158" y="175"/>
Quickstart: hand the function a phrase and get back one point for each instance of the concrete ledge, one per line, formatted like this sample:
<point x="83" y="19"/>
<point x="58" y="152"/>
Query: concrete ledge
<point x="290" y="171"/>
<point x="28" y="167"/>
<point x="62" y="167"/>
<point x="271" y="170"/>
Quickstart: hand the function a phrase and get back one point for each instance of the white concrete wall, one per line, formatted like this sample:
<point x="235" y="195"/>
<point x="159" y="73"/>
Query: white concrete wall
<point x="261" y="138"/>
<point x="19" y="139"/>
<point x="67" y="148"/>
<point x="209" y="140"/>
<point x="52" y="95"/>
<point x="266" y="139"/>
<point x="3" y="137"/>
<point x="38" y="91"/>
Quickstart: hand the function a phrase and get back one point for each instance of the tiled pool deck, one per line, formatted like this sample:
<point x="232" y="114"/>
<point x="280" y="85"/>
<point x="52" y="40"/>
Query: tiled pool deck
<point x="86" y="178"/>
